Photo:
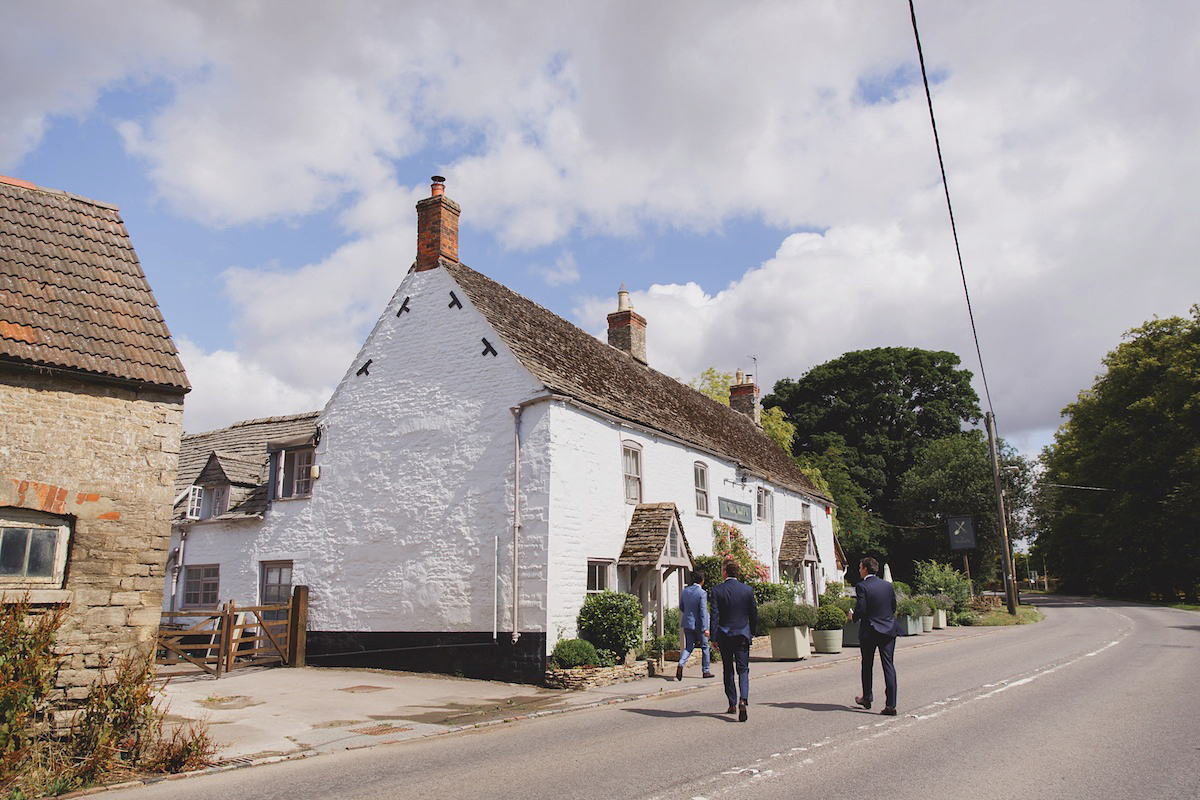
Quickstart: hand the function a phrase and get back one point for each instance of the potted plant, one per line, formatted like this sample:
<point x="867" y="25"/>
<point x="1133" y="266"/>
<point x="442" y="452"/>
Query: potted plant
<point x="827" y="637"/>
<point x="908" y="615"/>
<point x="927" y="608"/>
<point x="788" y="624"/>
<point x="943" y="603"/>
<point x="850" y="629"/>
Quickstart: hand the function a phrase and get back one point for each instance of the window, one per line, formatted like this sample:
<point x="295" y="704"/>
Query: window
<point x="296" y="480"/>
<point x="216" y="501"/>
<point x="766" y="505"/>
<point x="276" y="582"/>
<point x="202" y="586"/>
<point x="631" y="457"/>
<point x="701" y="472"/>
<point x="195" y="502"/>
<point x="33" y="548"/>
<point x="806" y="512"/>
<point x="597" y="577"/>
<point x="673" y="548"/>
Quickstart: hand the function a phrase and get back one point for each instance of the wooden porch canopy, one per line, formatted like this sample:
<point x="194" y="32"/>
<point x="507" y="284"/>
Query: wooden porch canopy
<point x="655" y="545"/>
<point x="798" y="556"/>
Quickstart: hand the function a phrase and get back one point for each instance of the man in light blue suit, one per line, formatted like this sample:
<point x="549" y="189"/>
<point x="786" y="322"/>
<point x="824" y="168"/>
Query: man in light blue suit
<point x="693" y="620"/>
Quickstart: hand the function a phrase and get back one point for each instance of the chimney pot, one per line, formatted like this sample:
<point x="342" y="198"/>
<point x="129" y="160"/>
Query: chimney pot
<point x="439" y="186"/>
<point x="437" y="228"/>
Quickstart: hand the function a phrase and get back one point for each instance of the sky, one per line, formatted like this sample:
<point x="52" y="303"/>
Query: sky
<point x="761" y="176"/>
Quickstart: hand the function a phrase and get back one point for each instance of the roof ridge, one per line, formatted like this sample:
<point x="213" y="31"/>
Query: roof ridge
<point x="248" y="422"/>
<point x="21" y="184"/>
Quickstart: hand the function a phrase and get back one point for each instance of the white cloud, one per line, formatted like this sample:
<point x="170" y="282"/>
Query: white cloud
<point x="563" y="272"/>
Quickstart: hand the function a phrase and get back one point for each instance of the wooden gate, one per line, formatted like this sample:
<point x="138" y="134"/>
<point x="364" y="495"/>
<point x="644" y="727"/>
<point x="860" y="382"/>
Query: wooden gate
<point x="233" y="636"/>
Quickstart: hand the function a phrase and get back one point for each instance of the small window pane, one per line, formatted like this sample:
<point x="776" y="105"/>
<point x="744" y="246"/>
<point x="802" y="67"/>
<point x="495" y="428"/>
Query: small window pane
<point x="41" y="553"/>
<point x="12" y="551"/>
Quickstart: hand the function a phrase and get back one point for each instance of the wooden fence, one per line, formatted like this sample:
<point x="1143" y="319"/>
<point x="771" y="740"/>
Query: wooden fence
<point x="233" y="636"/>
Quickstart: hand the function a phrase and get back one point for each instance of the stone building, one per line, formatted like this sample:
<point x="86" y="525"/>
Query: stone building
<point x="91" y="393"/>
<point x="482" y="466"/>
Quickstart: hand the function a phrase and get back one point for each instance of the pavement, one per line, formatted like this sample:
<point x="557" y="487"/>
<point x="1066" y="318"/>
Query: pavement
<point x="263" y="715"/>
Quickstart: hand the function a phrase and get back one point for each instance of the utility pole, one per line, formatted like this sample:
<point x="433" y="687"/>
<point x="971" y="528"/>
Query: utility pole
<point x="1010" y="584"/>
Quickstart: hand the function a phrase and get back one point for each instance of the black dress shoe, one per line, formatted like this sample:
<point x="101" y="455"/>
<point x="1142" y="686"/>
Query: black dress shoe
<point x="742" y="711"/>
<point x="888" y="712"/>
<point x="678" y="673"/>
<point x="731" y="709"/>
<point x="864" y="703"/>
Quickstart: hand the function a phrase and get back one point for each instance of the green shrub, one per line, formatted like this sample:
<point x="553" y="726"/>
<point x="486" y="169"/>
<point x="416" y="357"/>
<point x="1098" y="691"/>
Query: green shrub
<point x="571" y="653"/>
<point x="765" y="592"/>
<point x="834" y="591"/>
<point x="605" y="658"/>
<point x="830" y="618"/>
<point x="908" y="608"/>
<point x="712" y="566"/>
<point x="926" y="604"/>
<point x="935" y="578"/>
<point x="944" y="602"/>
<point x="902" y="588"/>
<point x="785" y="614"/>
<point x="671" y="622"/>
<point x="611" y="620"/>
<point x="660" y="643"/>
<point x="965" y="618"/>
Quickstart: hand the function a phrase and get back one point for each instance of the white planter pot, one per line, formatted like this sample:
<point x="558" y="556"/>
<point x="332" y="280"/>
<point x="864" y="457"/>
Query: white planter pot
<point x="910" y="625"/>
<point x="939" y="618"/>
<point x="789" y="644"/>
<point x="828" y="641"/>
<point x="927" y="623"/>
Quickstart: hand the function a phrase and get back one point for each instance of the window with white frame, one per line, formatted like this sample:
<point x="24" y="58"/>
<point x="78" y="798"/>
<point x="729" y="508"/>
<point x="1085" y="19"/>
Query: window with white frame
<point x="673" y="548"/>
<point x="597" y="576"/>
<point x="295" y="478"/>
<point x="216" y="501"/>
<point x="195" y="506"/>
<point x="631" y="461"/>
<point x="766" y="503"/>
<point x="33" y="549"/>
<point x="701" y="476"/>
<point x="275" y="588"/>
<point x="201" y="586"/>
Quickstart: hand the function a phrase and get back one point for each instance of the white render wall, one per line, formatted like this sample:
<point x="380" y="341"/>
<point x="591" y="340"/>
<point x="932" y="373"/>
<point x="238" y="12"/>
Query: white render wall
<point x="589" y="515"/>
<point x="409" y="527"/>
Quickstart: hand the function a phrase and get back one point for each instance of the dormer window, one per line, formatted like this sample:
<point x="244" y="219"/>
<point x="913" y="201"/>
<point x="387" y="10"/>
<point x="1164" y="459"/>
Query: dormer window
<point x="195" y="502"/>
<point x="207" y="502"/>
<point x="295" y="473"/>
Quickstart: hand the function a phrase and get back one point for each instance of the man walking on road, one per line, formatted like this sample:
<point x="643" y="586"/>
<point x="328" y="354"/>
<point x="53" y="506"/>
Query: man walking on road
<point x="875" y="610"/>
<point x="737" y="618"/>
<point x="693" y="619"/>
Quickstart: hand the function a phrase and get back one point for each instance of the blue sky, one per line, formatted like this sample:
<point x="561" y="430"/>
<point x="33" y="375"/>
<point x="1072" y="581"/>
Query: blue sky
<point x="761" y="176"/>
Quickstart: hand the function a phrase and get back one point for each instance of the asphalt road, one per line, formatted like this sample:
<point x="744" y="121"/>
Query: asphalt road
<point x="1098" y="700"/>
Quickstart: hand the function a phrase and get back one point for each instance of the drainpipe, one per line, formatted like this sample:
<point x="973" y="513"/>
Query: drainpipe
<point x="516" y="523"/>
<point x="178" y="568"/>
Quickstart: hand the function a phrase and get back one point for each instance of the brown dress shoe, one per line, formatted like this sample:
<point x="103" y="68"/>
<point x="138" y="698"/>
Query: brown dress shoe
<point x="731" y="709"/>
<point x="708" y="675"/>
<point x="860" y="702"/>
<point x="888" y="712"/>
<point x="742" y="711"/>
<point x="678" y="673"/>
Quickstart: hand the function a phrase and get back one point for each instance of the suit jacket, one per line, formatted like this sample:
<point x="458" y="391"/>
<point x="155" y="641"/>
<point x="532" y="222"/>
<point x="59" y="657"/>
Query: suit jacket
<point x="693" y="609"/>
<point x="875" y="606"/>
<point x="736" y="611"/>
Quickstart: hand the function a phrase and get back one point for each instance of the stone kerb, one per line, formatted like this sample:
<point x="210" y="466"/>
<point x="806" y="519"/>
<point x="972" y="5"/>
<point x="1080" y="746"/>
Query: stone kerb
<point x="588" y="677"/>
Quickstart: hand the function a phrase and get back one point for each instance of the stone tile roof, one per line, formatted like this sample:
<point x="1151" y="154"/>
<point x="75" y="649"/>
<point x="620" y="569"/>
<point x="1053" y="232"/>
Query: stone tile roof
<point x="241" y="454"/>
<point x="571" y="362"/>
<point x="793" y="547"/>
<point x="647" y="534"/>
<point x="72" y="293"/>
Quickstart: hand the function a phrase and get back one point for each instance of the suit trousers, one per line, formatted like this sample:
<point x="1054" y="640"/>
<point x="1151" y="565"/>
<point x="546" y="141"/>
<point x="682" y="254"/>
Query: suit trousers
<point x="691" y="640"/>
<point x="870" y="641"/>
<point x="735" y="655"/>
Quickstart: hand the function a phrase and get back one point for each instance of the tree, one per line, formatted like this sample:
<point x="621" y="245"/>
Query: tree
<point x="1136" y="434"/>
<point x="715" y="384"/>
<point x="875" y="408"/>
<point x="952" y="476"/>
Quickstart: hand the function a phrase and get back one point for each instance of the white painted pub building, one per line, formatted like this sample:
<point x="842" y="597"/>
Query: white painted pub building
<point x="483" y="466"/>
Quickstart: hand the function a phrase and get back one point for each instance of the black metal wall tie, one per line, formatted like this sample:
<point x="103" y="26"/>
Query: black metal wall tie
<point x="404" y="307"/>
<point x="487" y="348"/>
<point x="454" y="303"/>
<point x="364" y="369"/>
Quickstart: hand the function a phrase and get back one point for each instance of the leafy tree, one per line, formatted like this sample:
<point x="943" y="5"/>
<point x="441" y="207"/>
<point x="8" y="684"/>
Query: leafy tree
<point x="860" y="533"/>
<point x="715" y="384"/>
<point x="1135" y="432"/>
<point x="875" y="408"/>
<point x="953" y="476"/>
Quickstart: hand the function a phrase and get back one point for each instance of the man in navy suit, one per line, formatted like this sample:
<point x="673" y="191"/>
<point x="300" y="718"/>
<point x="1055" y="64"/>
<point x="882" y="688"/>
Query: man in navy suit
<point x="693" y="619"/>
<point x="737" y="618"/>
<point x="875" y="610"/>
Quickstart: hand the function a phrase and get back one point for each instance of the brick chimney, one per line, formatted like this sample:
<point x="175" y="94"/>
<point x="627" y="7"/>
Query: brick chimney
<point x="743" y="397"/>
<point x="437" y="228"/>
<point x="627" y="328"/>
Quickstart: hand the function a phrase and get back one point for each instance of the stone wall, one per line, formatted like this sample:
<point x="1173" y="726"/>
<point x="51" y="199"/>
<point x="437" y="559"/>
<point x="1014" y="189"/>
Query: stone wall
<point x="103" y="457"/>
<point x="587" y="677"/>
